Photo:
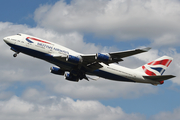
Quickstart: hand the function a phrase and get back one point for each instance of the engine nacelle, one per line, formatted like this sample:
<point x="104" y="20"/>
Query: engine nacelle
<point x="103" y="57"/>
<point x="71" y="77"/>
<point x="57" y="71"/>
<point x="74" y="59"/>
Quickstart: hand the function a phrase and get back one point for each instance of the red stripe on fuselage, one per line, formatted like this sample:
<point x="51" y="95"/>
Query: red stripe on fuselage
<point x="38" y="40"/>
<point x="150" y="73"/>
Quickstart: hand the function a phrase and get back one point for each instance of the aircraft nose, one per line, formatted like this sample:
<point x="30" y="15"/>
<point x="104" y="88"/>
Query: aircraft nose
<point x="6" y="39"/>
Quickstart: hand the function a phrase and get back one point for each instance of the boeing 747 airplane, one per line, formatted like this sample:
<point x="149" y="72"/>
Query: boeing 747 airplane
<point x="76" y="66"/>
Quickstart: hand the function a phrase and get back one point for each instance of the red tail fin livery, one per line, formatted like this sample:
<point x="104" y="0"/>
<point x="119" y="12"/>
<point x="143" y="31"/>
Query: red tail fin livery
<point x="158" y="66"/>
<point x="155" y="69"/>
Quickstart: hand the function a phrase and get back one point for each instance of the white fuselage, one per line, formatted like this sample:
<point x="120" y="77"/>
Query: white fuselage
<point x="45" y="50"/>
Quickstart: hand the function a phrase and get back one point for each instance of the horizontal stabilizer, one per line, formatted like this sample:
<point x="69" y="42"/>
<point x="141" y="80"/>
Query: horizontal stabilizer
<point x="159" y="77"/>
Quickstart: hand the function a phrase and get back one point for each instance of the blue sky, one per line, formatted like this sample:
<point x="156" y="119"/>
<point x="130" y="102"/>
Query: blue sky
<point x="99" y="26"/>
<point x="21" y="12"/>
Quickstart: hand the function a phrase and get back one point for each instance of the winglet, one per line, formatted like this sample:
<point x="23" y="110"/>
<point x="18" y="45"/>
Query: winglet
<point x="145" y="49"/>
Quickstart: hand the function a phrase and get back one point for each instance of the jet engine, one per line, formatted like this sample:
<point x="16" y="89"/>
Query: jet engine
<point x="103" y="57"/>
<point x="71" y="77"/>
<point x="74" y="59"/>
<point x="57" y="71"/>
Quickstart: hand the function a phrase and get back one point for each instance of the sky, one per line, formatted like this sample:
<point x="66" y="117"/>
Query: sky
<point x="29" y="91"/>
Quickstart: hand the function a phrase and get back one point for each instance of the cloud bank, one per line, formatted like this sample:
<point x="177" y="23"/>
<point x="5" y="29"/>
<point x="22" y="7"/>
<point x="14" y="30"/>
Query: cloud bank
<point x="66" y="24"/>
<point x="62" y="109"/>
<point x="157" y="20"/>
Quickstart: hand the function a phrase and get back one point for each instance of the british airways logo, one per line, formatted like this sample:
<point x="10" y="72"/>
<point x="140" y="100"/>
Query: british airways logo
<point x="27" y="39"/>
<point x="47" y="45"/>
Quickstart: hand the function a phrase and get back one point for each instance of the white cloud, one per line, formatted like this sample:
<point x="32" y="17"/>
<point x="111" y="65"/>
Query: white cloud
<point x="34" y="95"/>
<point x="62" y="109"/>
<point x="4" y="95"/>
<point x="166" y="40"/>
<point x="152" y="19"/>
<point x="175" y="115"/>
<point x="15" y="105"/>
<point x="66" y="108"/>
<point x="100" y="89"/>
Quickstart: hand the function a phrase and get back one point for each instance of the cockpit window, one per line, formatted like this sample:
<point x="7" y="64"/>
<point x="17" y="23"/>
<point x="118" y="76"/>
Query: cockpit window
<point x="19" y="34"/>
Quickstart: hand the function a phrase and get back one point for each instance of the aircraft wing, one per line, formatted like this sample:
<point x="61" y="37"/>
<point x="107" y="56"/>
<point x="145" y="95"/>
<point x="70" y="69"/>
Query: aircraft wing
<point x="91" y="62"/>
<point x="115" y="56"/>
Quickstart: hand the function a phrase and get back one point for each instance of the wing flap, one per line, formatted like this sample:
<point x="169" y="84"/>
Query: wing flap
<point x="159" y="77"/>
<point x="94" y="66"/>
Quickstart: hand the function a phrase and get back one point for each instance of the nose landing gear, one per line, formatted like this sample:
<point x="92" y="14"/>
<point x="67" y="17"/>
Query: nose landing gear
<point x="15" y="54"/>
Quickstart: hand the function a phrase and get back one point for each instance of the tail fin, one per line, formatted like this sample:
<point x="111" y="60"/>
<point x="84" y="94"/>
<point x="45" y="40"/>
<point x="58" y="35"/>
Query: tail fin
<point x="156" y="67"/>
